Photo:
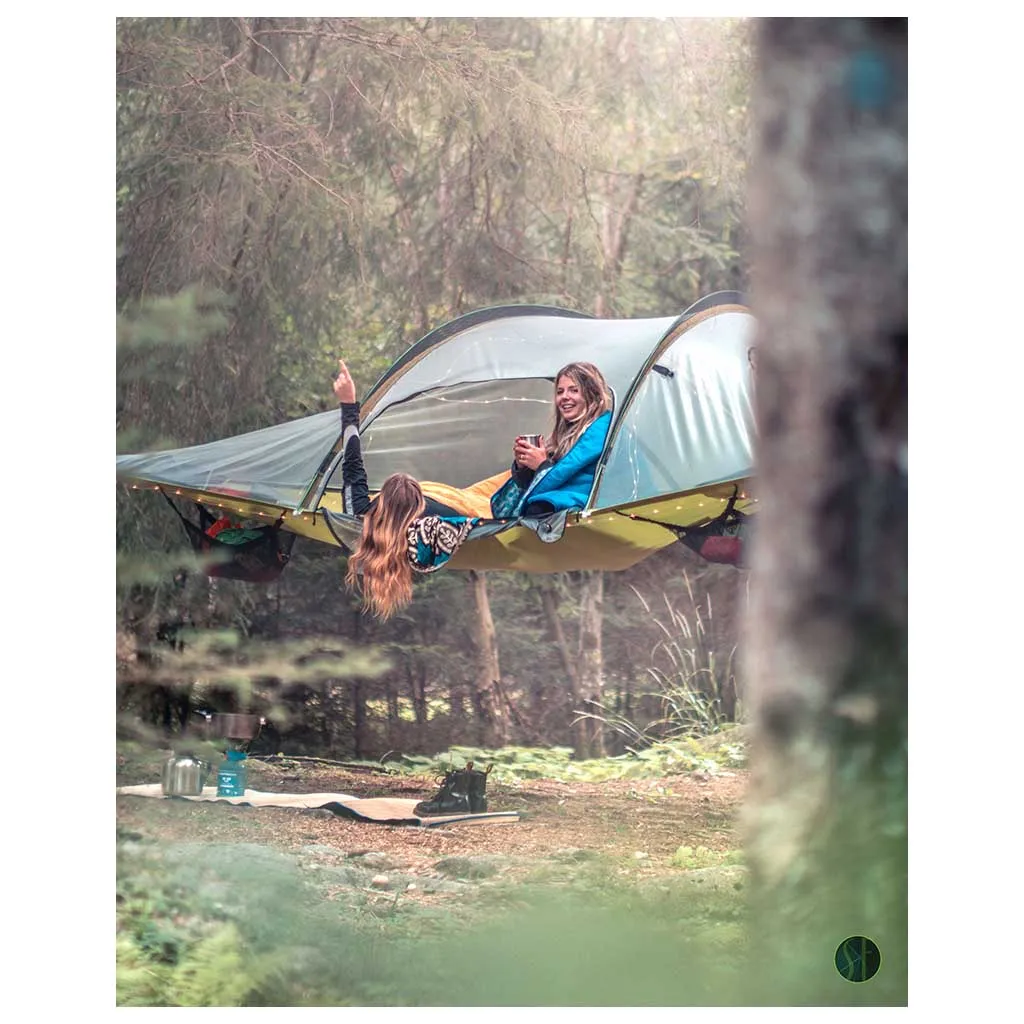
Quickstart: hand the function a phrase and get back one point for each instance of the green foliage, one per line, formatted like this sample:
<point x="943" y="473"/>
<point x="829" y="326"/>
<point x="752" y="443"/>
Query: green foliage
<point x="702" y="857"/>
<point x="186" y="318"/>
<point x="159" y="934"/>
<point x="292" y="190"/>
<point x="517" y="763"/>
<point x="252" y="928"/>
<point x="690" y="678"/>
<point x="139" y="979"/>
<point x="349" y="189"/>
<point x="212" y="973"/>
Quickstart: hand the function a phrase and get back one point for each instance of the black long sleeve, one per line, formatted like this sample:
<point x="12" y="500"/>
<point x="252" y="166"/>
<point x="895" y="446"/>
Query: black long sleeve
<point x="522" y="475"/>
<point x="355" y="491"/>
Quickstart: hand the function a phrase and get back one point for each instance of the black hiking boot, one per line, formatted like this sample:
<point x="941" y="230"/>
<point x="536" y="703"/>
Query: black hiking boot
<point x="477" y="786"/>
<point x="452" y="798"/>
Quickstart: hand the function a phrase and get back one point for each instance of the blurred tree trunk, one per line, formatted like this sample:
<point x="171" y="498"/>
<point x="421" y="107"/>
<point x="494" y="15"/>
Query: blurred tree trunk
<point x="457" y="703"/>
<point x="827" y="629"/>
<point x="359" y="737"/>
<point x="492" y="722"/>
<point x="549" y="601"/>
<point x="393" y="727"/>
<point x="416" y="676"/>
<point x="621" y="203"/>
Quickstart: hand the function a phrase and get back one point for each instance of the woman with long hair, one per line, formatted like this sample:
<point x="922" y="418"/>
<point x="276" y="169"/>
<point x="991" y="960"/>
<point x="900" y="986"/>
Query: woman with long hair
<point x="381" y="559"/>
<point x="403" y="529"/>
<point x="559" y="473"/>
<point x="406" y="530"/>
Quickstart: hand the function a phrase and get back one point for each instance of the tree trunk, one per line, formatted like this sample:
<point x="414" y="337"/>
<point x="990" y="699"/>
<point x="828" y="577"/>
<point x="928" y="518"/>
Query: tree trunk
<point x="359" y="737"/>
<point x="416" y="675"/>
<point x="393" y="730"/>
<point x="549" y="602"/>
<point x="827" y="627"/>
<point x="457" y="702"/>
<point x="589" y="732"/>
<point x="492" y="722"/>
<point x="541" y="708"/>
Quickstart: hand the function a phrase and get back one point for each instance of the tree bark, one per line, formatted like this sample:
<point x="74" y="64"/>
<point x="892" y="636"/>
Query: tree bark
<point x="826" y="642"/>
<point x="416" y="676"/>
<point x="359" y="736"/>
<point x="549" y="602"/>
<point x="589" y="736"/>
<point x="492" y="722"/>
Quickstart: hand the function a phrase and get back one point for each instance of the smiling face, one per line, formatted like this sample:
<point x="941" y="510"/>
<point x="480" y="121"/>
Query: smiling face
<point x="569" y="399"/>
<point x="581" y="395"/>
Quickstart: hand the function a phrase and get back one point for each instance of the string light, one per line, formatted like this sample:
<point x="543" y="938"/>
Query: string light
<point x="482" y="401"/>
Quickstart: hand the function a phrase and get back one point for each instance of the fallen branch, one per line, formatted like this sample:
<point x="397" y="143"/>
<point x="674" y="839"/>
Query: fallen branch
<point x="352" y="766"/>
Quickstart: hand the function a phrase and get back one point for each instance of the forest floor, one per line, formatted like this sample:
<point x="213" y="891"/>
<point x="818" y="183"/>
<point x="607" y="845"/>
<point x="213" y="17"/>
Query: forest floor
<point x="603" y="887"/>
<point x="620" y="818"/>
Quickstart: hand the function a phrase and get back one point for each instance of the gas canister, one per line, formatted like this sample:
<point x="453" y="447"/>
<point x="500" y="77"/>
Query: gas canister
<point x="231" y="774"/>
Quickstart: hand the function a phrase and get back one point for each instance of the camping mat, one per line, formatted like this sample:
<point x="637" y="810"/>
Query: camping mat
<point x="384" y="810"/>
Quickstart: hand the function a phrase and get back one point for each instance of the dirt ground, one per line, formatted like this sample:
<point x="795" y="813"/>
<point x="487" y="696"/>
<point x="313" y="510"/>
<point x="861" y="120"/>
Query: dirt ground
<point x="647" y="820"/>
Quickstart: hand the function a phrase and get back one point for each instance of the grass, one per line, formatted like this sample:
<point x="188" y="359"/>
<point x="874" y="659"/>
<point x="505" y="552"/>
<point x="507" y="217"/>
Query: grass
<point x="695" y="687"/>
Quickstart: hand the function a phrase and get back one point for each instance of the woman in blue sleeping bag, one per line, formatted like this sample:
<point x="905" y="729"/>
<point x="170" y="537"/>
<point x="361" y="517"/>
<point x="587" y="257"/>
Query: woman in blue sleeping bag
<point x="558" y="473"/>
<point x="403" y="530"/>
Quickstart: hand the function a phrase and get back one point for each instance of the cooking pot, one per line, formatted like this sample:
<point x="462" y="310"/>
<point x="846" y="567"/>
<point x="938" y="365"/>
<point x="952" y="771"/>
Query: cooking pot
<point x="235" y="726"/>
<point x="184" y="775"/>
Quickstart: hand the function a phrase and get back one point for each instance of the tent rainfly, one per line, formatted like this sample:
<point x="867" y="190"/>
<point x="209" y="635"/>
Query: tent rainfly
<point x="680" y="445"/>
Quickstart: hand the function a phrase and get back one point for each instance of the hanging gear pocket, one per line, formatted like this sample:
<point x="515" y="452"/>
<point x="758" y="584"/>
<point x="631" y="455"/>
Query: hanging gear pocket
<point x="229" y="550"/>
<point x="722" y="540"/>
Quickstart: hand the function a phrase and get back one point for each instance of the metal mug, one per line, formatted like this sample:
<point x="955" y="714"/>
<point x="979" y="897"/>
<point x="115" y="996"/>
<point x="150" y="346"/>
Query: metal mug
<point x="531" y="439"/>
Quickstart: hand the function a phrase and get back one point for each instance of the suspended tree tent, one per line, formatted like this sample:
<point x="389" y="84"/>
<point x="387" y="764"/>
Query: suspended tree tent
<point x="679" y="447"/>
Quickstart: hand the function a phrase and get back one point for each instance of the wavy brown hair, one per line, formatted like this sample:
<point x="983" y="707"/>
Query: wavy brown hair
<point x="380" y="566"/>
<point x="589" y="379"/>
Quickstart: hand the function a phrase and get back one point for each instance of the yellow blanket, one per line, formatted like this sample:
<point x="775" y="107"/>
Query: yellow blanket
<point x="474" y="500"/>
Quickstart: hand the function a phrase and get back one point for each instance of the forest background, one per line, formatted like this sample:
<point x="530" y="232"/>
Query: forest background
<point x="294" y="190"/>
<point x="59" y="233"/>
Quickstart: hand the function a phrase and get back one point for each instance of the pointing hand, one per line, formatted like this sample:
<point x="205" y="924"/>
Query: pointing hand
<point x="344" y="386"/>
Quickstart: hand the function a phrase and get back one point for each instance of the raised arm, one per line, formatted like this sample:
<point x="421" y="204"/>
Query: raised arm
<point x="355" y="493"/>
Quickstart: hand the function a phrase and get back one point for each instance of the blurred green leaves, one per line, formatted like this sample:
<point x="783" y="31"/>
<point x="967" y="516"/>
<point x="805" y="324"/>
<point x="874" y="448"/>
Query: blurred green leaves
<point x="185" y="318"/>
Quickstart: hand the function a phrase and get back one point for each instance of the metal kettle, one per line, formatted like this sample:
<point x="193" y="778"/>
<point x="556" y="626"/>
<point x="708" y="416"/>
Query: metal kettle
<point x="184" y="775"/>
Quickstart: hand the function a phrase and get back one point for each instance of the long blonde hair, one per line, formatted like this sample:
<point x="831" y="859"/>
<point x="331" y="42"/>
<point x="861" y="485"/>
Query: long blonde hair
<point x="382" y="558"/>
<point x="597" y="398"/>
